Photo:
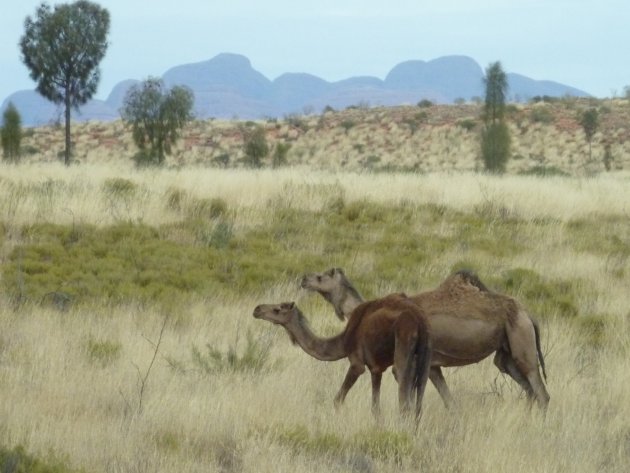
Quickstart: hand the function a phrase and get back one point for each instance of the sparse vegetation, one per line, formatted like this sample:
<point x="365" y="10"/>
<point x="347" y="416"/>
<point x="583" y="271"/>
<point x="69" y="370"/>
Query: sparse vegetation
<point x="590" y="122"/>
<point x="446" y="139"/>
<point x="11" y="134"/>
<point x="255" y="145"/>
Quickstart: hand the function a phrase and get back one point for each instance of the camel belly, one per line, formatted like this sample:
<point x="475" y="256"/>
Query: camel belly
<point x="460" y="341"/>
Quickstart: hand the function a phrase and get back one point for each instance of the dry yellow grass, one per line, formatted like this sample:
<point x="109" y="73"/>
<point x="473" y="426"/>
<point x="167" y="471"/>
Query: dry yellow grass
<point x="57" y="395"/>
<point x="55" y="398"/>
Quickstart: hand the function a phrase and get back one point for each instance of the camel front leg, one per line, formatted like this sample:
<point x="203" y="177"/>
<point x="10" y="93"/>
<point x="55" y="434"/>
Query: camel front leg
<point x="437" y="378"/>
<point x="351" y="377"/>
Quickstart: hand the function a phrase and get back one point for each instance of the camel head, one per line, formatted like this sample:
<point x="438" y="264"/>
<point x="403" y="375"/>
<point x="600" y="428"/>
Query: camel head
<point x="334" y="286"/>
<point x="276" y="313"/>
<point x="326" y="282"/>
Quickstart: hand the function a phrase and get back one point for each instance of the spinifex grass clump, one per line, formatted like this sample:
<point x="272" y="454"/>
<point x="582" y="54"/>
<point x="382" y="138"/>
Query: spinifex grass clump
<point x="18" y="460"/>
<point x="373" y="444"/>
<point x="253" y="358"/>
<point x="102" y="352"/>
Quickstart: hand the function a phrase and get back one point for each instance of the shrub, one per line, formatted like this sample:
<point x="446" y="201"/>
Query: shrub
<point x="222" y="159"/>
<point x="254" y="357"/>
<point x="207" y="208"/>
<point x="544" y="171"/>
<point x="280" y="152"/>
<point x="385" y="445"/>
<point x="467" y="124"/>
<point x="347" y="125"/>
<point x="17" y="460"/>
<point x="541" y="115"/>
<point x="11" y="134"/>
<point x="119" y="187"/>
<point x="175" y="199"/>
<point x="255" y="146"/>
<point x="103" y="352"/>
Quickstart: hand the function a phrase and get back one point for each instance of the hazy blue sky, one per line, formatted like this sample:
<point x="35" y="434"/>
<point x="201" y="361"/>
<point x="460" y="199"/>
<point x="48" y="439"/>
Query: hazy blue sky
<point x="582" y="43"/>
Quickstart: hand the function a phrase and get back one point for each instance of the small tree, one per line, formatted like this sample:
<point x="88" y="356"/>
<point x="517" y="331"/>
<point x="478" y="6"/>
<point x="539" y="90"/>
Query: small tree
<point x="62" y="49"/>
<point x="11" y="133"/>
<point x="608" y="157"/>
<point x="590" y="123"/>
<point x="156" y="116"/>
<point x="255" y="146"/>
<point x="495" y="136"/>
<point x="495" y="146"/>
<point x="280" y="152"/>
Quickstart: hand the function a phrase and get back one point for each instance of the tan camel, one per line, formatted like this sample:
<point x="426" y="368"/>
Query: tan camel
<point x="468" y="323"/>
<point x="380" y="333"/>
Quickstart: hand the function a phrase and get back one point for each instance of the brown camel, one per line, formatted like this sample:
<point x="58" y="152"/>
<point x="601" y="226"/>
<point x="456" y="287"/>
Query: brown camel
<point x="468" y="323"/>
<point x="379" y="333"/>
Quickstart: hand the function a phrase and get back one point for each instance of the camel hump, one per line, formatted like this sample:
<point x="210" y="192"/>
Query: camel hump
<point x="469" y="277"/>
<point x="462" y="282"/>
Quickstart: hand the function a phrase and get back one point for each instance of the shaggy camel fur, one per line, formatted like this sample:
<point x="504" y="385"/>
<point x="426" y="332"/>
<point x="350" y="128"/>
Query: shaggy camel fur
<point x="468" y="323"/>
<point x="379" y="333"/>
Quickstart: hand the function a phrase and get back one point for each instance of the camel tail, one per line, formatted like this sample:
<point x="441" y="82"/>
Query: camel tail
<point x="416" y="372"/>
<point x="540" y="355"/>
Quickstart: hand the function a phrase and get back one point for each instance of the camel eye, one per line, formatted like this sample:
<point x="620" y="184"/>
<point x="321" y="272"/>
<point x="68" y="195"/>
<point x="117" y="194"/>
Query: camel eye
<point x="276" y="311"/>
<point x="319" y="279"/>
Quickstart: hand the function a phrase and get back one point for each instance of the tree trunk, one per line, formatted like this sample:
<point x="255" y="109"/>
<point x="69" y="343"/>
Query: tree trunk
<point x="68" y="143"/>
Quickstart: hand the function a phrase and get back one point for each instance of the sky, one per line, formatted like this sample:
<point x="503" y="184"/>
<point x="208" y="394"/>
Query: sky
<point x="581" y="43"/>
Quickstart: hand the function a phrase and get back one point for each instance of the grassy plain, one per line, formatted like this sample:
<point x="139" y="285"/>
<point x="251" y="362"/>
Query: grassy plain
<point x="127" y="341"/>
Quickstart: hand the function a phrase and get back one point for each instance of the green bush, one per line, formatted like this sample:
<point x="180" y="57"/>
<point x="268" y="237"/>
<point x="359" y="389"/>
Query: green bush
<point x="207" y="209"/>
<point x="253" y="359"/>
<point x="541" y="115"/>
<point x="119" y="187"/>
<point x="11" y="134"/>
<point x="468" y="124"/>
<point x="103" y="352"/>
<point x="544" y="171"/>
<point x="175" y="199"/>
<point x="17" y="460"/>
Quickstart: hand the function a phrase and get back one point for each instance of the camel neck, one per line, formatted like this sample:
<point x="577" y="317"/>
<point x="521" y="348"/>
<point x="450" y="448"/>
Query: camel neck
<point x="324" y="349"/>
<point x="345" y="300"/>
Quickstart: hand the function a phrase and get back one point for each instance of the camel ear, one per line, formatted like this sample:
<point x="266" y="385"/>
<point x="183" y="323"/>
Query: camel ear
<point x="336" y="271"/>
<point x="288" y="305"/>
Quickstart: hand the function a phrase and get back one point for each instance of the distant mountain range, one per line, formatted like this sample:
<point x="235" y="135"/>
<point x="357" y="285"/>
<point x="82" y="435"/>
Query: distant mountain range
<point x="227" y="86"/>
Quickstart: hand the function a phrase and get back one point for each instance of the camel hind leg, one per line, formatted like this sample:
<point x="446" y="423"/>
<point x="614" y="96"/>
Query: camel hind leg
<point x="506" y="364"/>
<point x="524" y="354"/>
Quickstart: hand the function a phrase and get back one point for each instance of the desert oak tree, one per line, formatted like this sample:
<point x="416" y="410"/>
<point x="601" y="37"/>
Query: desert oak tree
<point x="11" y="133"/>
<point x="495" y="136"/>
<point x="62" y="48"/>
